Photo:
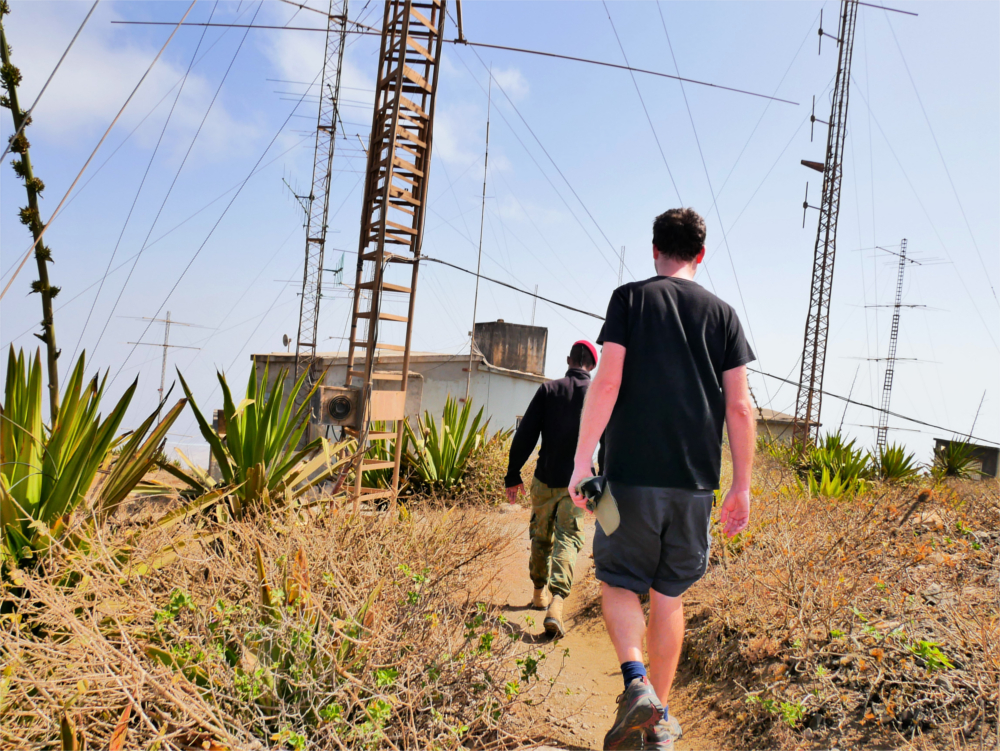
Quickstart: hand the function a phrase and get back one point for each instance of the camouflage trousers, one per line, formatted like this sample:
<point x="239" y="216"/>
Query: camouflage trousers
<point x="556" y="537"/>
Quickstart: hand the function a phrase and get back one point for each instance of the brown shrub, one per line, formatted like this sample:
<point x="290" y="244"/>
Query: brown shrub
<point x="842" y="620"/>
<point x="363" y="633"/>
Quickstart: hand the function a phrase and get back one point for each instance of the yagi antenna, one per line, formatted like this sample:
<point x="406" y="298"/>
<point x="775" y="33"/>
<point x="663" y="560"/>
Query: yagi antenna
<point x="824" y="34"/>
<point x="805" y="205"/>
<point x="813" y="120"/>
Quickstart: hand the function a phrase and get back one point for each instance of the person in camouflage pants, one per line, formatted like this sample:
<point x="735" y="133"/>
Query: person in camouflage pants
<point x="556" y="537"/>
<point x="556" y="523"/>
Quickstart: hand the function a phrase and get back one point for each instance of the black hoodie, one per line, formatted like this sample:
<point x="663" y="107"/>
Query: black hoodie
<point x="554" y="413"/>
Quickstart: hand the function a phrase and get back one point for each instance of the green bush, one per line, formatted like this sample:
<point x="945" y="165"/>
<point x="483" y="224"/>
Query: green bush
<point x="47" y="472"/>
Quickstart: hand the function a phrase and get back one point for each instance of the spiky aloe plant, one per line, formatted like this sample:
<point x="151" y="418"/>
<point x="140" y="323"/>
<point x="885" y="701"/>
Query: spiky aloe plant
<point x="258" y="456"/>
<point x="894" y="464"/>
<point x="956" y="458"/>
<point x="440" y="454"/>
<point x="838" y="457"/>
<point x="47" y="472"/>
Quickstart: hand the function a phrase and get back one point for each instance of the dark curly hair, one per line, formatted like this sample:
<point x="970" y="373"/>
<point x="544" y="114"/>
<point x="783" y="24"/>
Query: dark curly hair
<point x="679" y="234"/>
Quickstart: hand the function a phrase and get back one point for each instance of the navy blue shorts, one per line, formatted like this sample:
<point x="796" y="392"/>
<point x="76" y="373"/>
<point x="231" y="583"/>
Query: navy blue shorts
<point x="662" y="542"/>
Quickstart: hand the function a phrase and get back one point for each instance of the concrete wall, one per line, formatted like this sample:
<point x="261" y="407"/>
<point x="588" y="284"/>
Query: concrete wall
<point x="513" y="346"/>
<point x="504" y="396"/>
<point x="780" y="431"/>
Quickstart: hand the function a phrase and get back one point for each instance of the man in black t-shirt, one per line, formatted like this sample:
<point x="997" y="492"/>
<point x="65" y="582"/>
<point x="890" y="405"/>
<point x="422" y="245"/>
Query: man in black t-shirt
<point x="673" y="372"/>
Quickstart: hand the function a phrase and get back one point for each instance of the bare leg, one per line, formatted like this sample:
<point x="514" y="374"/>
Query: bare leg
<point x="666" y="633"/>
<point x="625" y="621"/>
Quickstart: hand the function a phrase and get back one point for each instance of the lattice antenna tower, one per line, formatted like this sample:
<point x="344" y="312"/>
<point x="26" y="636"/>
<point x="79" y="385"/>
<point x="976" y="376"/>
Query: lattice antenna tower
<point x="392" y="223"/>
<point x="167" y="346"/>
<point x="808" y="402"/>
<point x="890" y="365"/>
<point x="317" y="203"/>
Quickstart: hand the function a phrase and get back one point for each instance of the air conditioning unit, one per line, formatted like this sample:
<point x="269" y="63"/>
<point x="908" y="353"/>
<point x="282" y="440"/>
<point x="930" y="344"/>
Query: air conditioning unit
<point x="339" y="405"/>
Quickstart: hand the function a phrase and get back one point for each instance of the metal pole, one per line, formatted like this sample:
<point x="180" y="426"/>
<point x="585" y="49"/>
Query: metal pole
<point x="166" y="346"/>
<point x="482" y="218"/>
<point x="534" y="302"/>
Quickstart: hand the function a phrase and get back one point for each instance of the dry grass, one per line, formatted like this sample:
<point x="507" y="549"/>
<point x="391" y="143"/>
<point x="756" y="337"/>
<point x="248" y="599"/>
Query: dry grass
<point x="872" y="621"/>
<point x="367" y="634"/>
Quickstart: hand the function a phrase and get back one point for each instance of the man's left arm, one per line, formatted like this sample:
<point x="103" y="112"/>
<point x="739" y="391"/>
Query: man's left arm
<point x="741" y="427"/>
<point x="597" y="409"/>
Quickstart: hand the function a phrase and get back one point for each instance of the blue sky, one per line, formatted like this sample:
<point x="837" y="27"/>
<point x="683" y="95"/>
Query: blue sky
<point x="577" y="178"/>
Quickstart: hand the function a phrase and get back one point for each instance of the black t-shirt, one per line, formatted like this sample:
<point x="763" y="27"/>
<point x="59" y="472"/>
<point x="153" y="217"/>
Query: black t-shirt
<point x="666" y="427"/>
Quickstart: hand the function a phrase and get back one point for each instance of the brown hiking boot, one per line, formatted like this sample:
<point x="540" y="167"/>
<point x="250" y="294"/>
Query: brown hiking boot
<point x="553" y="622"/>
<point x="540" y="600"/>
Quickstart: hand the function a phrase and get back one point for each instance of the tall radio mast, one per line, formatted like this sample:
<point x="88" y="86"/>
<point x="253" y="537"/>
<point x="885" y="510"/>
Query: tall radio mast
<point x="810" y="395"/>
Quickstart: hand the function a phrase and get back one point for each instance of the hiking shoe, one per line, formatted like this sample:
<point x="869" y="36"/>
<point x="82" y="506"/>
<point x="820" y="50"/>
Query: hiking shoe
<point x="639" y="710"/>
<point x="553" y="622"/>
<point x="540" y="599"/>
<point x="664" y="734"/>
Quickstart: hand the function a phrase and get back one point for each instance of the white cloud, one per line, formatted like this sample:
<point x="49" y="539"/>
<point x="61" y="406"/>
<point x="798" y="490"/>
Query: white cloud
<point x="511" y="80"/>
<point x="298" y="57"/>
<point x="459" y="133"/>
<point x="103" y="68"/>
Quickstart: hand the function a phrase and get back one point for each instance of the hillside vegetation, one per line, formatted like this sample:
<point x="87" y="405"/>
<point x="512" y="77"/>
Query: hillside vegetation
<point x="868" y="620"/>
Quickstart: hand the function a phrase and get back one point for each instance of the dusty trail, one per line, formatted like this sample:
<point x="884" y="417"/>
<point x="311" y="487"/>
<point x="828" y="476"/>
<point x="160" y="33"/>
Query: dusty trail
<point x="582" y="703"/>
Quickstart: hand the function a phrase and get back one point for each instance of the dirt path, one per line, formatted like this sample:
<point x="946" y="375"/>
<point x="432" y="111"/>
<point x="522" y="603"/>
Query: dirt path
<point x="582" y="703"/>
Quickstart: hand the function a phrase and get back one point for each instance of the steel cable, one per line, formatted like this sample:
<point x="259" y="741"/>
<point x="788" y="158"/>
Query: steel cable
<point x="166" y="197"/>
<point x="135" y="199"/>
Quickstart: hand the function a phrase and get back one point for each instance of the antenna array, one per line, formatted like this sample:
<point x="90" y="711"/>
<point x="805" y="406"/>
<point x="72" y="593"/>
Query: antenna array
<point x="808" y="401"/>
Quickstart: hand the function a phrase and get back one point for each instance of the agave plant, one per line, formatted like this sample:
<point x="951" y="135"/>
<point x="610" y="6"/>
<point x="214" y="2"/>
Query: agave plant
<point x="894" y="464"/>
<point x="828" y="485"/>
<point x="838" y="457"/>
<point x="48" y="472"/>
<point x="835" y="467"/>
<point x="258" y="456"/>
<point x="955" y="458"/>
<point x="440" y="454"/>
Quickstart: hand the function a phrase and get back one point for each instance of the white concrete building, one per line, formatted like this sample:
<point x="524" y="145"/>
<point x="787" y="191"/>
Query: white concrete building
<point x="503" y="387"/>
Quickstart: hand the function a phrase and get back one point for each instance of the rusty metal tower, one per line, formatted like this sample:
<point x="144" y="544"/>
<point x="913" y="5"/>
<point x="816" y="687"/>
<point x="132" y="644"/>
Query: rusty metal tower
<point x="392" y="223"/>
<point x="810" y="395"/>
<point x="317" y="203"/>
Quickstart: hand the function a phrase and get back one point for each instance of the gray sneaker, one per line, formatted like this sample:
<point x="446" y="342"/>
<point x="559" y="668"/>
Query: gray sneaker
<point x="664" y="734"/>
<point x="639" y="711"/>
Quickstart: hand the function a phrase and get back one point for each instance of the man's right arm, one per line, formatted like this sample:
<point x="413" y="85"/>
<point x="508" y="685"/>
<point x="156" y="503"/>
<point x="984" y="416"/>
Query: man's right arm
<point x="597" y="409"/>
<point x="741" y="427"/>
<point x="524" y="442"/>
